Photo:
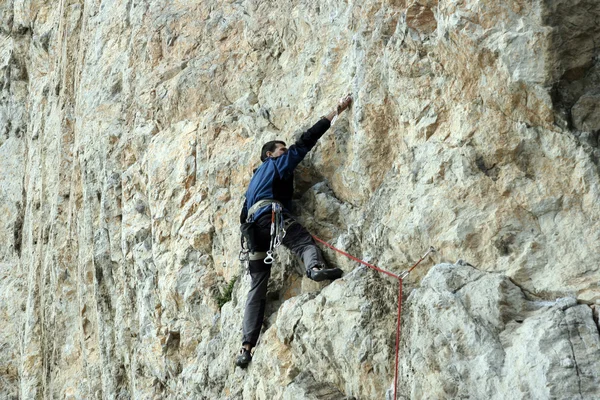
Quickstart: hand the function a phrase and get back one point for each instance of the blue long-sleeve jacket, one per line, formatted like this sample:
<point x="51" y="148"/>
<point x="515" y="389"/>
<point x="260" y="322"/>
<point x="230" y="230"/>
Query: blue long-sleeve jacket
<point x="274" y="179"/>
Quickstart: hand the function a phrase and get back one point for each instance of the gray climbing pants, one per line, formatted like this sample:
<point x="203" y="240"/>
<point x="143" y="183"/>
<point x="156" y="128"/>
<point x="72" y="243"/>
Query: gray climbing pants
<point x="301" y="243"/>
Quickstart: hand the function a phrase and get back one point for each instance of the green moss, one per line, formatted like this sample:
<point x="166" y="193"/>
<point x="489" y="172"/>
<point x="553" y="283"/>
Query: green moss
<point x="226" y="295"/>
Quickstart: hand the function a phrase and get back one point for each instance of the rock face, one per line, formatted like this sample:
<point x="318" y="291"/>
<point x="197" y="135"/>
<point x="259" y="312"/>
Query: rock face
<point x="129" y="131"/>
<point x="477" y="333"/>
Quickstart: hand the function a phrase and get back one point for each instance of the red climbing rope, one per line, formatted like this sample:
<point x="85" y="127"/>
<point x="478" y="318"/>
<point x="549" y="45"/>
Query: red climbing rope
<point x="356" y="259"/>
<point x="399" y="278"/>
<point x="398" y="321"/>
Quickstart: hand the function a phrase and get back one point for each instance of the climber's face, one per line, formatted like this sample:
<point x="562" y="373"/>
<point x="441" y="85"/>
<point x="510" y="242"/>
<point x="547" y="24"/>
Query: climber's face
<point x="279" y="150"/>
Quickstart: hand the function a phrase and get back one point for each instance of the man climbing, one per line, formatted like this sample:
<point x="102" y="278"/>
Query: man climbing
<point x="267" y="206"/>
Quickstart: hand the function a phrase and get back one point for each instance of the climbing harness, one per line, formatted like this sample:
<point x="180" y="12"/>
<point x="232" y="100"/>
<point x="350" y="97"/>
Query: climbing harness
<point x="278" y="230"/>
<point x="400" y="278"/>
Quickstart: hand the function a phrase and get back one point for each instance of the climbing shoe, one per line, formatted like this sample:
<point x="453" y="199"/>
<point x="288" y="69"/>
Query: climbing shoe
<point x="321" y="274"/>
<point x="244" y="358"/>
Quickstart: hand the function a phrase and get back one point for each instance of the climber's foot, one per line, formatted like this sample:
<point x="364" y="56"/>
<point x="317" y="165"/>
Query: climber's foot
<point x="244" y="358"/>
<point x="319" y="273"/>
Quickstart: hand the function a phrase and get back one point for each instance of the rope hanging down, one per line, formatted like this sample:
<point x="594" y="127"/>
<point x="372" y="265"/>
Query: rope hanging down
<point x="400" y="277"/>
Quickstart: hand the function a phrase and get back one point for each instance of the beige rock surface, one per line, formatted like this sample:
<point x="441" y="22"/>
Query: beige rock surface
<point x="129" y="131"/>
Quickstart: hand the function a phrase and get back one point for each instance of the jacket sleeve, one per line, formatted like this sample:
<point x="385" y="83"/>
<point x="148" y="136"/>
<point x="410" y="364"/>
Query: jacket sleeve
<point x="311" y="136"/>
<point x="287" y="162"/>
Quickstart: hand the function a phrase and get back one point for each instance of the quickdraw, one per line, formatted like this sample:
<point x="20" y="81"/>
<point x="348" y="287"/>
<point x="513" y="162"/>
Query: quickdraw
<point x="277" y="232"/>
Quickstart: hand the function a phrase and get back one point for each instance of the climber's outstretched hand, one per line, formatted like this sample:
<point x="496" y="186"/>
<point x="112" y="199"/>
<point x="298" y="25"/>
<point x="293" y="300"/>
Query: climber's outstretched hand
<point x="341" y="106"/>
<point x="344" y="103"/>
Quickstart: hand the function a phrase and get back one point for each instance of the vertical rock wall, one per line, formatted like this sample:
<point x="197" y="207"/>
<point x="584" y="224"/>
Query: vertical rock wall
<point x="129" y="131"/>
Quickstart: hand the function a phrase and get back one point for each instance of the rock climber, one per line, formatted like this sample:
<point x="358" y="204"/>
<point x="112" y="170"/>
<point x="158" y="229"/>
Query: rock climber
<point x="270" y="191"/>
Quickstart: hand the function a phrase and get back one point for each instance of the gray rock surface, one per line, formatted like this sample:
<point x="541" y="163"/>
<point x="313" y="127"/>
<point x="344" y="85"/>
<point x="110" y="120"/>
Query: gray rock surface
<point x="478" y="336"/>
<point x="129" y="131"/>
<point x="586" y="112"/>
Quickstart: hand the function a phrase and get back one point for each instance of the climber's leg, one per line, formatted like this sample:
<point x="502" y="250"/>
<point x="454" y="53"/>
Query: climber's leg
<point x="257" y="300"/>
<point x="257" y="295"/>
<point x="300" y="241"/>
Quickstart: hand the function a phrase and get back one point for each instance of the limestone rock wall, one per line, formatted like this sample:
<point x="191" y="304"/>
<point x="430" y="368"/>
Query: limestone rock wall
<point x="129" y="131"/>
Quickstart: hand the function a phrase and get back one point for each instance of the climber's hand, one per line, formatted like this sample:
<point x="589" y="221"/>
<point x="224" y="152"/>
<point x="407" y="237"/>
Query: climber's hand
<point x="341" y="106"/>
<point x="344" y="103"/>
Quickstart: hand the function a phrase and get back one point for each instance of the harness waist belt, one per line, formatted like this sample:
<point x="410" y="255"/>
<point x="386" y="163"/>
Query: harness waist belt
<point x="260" y="204"/>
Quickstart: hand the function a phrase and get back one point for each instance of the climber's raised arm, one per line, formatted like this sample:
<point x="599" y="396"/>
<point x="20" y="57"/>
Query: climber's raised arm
<point x="286" y="160"/>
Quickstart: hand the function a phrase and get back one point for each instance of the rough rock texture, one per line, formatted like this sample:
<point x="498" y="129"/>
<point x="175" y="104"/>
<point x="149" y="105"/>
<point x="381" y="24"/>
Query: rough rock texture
<point x="129" y="131"/>
<point x="478" y="333"/>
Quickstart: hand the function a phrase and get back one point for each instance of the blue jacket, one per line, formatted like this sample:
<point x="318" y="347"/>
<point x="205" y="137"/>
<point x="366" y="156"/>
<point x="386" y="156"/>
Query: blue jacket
<point x="274" y="179"/>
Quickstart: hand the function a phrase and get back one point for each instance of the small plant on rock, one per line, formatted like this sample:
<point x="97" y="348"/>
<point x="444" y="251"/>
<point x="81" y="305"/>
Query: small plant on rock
<point x="226" y="295"/>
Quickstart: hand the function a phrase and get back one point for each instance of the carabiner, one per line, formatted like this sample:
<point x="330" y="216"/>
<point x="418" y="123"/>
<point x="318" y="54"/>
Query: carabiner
<point x="269" y="258"/>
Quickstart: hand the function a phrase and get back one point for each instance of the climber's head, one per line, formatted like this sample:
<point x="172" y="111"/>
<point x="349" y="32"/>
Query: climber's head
<point x="272" y="149"/>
